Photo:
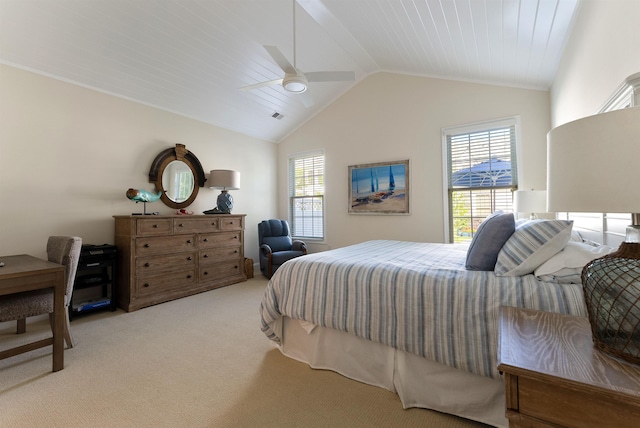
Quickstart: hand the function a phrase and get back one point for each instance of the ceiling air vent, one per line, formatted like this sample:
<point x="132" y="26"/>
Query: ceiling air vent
<point x="277" y="115"/>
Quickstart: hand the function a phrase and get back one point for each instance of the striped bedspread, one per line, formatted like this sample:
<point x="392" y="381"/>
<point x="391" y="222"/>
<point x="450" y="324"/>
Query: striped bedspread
<point x="415" y="297"/>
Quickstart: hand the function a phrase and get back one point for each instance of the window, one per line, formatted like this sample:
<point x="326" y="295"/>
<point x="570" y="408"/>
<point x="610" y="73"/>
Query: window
<point x="306" y="195"/>
<point x="481" y="174"/>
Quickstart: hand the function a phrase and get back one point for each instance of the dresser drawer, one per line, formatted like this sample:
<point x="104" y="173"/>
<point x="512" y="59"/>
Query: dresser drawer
<point x="231" y="223"/>
<point x="156" y="285"/>
<point x="196" y="225"/>
<point x="164" y="244"/>
<point x="221" y="270"/>
<point x="571" y="406"/>
<point x="214" y="240"/>
<point x="213" y="255"/>
<point x="153" y="226"/>
<point x="154" y="265"/>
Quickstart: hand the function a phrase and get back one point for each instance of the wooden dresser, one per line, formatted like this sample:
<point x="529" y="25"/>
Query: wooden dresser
<point x="555" y="377"/>
<point x="161" y="258"/>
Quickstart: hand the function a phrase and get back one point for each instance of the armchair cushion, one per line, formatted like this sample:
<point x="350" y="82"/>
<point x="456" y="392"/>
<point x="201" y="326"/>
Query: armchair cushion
<point x="282" y="256"/>
<point x="278" y="243"/>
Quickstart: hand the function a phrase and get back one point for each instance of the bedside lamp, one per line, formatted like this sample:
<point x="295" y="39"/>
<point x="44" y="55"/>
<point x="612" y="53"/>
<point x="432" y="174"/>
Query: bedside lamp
<point x="226" y="180"/>
<point x="530" y="201"/>
<point x="593" y="167"/>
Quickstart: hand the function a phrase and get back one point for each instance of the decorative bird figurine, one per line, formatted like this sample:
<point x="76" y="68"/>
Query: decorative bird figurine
<point x="138" y="195"/>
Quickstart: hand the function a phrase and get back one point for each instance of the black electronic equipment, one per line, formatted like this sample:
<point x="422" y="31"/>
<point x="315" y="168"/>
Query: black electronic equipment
<point x="95" y="283"/>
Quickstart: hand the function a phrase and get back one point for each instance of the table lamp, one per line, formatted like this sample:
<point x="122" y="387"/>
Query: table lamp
<point x="226" y="180"/>
<point x="530" y="201"/>
<point x="593" y="166"/>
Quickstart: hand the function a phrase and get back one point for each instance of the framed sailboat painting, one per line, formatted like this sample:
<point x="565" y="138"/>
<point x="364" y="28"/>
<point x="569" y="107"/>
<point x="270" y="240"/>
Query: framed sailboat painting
<point x="379" y="188"/>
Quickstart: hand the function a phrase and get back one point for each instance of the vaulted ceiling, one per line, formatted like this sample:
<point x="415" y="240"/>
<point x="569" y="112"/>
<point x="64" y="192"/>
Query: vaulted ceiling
<point x="191" y="57"/>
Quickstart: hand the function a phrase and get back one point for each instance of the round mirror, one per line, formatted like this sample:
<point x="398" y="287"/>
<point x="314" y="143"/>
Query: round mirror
<point x="177" y="181"/>
<point x="178" y="174"/>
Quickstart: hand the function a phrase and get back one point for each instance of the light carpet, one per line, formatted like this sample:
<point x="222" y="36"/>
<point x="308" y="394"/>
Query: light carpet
<point x="200" y="361"/>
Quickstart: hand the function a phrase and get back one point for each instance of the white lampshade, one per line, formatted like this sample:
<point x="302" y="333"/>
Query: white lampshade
<point x="594" y="164"/>
<point x="224" y="179"/>
<point x="530" y="201"/>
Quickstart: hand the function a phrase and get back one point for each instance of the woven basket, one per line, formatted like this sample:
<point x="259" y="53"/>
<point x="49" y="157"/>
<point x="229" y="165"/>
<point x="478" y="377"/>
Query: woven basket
<point x="248" y="267"/>
<point x="612" y="293"/>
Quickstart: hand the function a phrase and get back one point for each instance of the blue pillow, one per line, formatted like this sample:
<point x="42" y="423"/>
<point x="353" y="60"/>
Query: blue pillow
<point x="488" y="240"/>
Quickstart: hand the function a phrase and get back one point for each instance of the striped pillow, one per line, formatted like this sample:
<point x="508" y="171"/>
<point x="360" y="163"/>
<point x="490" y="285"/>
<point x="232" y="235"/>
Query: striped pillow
<point x="532" y="244"/>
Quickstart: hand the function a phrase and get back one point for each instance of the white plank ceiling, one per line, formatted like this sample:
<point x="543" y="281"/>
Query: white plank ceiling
<point x="192" y="57"/>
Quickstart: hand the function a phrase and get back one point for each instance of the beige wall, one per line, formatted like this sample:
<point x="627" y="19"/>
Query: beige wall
<point x="68" y="154"/>
<point x="604" y="49"/>
<point x="393" y="117"/>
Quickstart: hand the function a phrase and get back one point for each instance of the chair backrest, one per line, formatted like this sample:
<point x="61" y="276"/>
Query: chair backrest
<point x="275" y="233"/>
<point x="65" y="250"/>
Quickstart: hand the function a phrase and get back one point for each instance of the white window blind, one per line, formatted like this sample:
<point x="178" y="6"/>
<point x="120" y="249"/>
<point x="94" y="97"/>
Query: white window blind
<point x="481" y="175"/>
<point x="306" y="195"/>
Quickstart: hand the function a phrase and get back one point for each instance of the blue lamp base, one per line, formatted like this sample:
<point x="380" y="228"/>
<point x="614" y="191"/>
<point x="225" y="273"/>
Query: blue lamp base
<point x="225" y="202"/>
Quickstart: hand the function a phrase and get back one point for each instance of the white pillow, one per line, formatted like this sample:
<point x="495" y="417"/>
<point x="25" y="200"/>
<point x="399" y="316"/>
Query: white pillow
<point x="532" y="244"/>
<point x="565" y="265"/>
<point x="575" y="236"/>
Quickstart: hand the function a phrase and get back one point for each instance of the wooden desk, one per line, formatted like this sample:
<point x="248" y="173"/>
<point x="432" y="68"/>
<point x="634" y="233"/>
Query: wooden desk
<point x="555" y="377"/>
<point x="26" y="273"/>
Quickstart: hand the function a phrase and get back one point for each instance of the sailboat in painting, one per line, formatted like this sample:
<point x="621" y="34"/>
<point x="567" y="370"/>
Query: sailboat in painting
<point x="376" y="194"/>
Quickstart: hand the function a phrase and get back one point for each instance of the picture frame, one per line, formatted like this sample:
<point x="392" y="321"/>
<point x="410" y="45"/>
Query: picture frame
<point x="379" y="188"/>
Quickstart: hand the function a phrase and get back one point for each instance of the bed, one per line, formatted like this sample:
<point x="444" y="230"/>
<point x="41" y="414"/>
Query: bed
<point x="411" y="318"/>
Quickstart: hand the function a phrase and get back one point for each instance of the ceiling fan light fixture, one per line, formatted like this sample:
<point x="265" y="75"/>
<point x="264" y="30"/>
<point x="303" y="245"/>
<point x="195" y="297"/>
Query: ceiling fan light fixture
<point x="295" y="83"/>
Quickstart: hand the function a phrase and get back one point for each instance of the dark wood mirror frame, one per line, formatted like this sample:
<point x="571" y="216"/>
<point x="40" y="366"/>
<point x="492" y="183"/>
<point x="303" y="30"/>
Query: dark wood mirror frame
<point x="160" y="163"/>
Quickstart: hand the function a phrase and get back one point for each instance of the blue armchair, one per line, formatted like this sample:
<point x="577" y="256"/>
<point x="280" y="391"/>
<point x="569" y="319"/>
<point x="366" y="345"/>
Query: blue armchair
<point x="277" y="246"/>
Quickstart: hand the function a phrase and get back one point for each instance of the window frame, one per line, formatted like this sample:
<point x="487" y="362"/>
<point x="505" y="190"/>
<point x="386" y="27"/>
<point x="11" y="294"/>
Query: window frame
<point x="291" y="187"/>
<point x="476" y="127"/>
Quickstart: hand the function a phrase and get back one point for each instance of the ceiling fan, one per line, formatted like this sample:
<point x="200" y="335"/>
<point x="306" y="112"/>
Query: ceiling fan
<point x="295" y="80"/>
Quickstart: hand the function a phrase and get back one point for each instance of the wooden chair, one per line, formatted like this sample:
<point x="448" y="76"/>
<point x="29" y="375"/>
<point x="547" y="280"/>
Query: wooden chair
<point x="64" y="250"/>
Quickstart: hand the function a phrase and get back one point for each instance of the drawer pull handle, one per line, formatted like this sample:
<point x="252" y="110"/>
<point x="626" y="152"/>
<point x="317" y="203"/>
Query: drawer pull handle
<point x="189" y="258"/>
<point x="181" y="225"/>
<point x="205" y="256"/>
<point x="235" y="252"/>
<point x="93" y="264"/>
<point x="188" y="276"/>
<point x="146" y="245"/>
<point x="206" y="239"/>
<point x="188" y="241"/>
<point x="155" y="226"/>
<point x="147" y="265"/>
<point x="206" y="273"/>
<point x="146" y="284"/>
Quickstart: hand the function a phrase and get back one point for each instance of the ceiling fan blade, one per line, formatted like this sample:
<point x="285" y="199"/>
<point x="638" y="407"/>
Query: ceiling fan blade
<point x="280" y="59"/>
<point x="262" y="84"/>
<point x="330" y="76"/>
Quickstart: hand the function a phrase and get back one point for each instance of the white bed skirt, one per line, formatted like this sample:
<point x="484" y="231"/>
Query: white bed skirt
<point x="417" y="381"/>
